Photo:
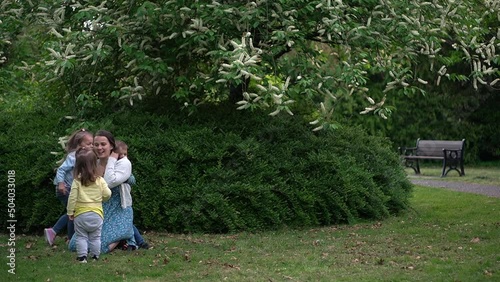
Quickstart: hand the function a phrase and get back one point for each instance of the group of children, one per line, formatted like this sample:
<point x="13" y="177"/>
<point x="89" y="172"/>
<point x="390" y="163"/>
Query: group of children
<point x="82" y="191"/>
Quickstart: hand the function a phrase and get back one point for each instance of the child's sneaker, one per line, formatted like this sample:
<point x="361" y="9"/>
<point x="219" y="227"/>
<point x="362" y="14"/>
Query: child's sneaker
<point x="50" y="235"/>
<point x="95" y="258"/>
<point x="82" y="259"/>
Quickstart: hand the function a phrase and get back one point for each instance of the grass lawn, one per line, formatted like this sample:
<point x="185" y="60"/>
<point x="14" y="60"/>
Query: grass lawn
<point x="447" y="236"/>
<point x="487" y="174"/>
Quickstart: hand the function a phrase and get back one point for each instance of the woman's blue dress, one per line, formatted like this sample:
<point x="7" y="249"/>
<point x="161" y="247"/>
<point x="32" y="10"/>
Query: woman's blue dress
<point x="117" y="223"/>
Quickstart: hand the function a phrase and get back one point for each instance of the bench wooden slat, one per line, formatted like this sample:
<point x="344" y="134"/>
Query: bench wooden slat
<point x="424" y="157"/>
<point x="435" y="147"/>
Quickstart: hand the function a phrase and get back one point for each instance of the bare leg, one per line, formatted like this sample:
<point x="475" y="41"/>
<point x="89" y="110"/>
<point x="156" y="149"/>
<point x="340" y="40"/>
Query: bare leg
<point x="113" y="245"/>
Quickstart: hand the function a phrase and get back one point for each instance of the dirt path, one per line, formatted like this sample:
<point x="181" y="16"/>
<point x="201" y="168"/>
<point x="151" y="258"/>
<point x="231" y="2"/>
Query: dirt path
<point x="488" y="190"/>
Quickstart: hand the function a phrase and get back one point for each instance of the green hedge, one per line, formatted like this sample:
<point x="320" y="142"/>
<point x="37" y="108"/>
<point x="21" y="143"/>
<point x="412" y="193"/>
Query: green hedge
<point x="223" y="171"/>
<point x="25" y="146"/>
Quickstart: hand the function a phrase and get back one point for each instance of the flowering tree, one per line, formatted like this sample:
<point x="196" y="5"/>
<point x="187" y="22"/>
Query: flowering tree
<point x="283" y="55"/>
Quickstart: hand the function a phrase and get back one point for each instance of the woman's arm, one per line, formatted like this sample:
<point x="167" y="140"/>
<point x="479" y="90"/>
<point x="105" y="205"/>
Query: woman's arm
<point x="117" y="172"/>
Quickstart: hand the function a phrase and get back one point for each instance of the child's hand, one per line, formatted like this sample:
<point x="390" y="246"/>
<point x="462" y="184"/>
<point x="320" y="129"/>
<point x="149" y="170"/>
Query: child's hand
<point x="61" y="188"/>
<point x="71" y="217"/>
<point x="114" y="155"/>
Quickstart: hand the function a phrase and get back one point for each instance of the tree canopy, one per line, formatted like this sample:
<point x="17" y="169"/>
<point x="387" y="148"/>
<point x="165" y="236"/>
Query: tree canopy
<point x="287" y="56"/>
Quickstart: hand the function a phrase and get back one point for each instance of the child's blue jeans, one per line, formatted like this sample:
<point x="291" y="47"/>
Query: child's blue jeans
<point x="63" y="221"/>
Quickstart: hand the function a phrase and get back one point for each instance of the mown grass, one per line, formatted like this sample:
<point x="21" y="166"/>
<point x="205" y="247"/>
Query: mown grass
<point x="446" y="236"/>
<point x="485" y="174"/>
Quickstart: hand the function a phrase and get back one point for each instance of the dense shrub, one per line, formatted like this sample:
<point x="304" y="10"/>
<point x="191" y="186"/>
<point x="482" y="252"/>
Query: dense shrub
<point x="25" y="146"/>
<point x="226" y="171"/>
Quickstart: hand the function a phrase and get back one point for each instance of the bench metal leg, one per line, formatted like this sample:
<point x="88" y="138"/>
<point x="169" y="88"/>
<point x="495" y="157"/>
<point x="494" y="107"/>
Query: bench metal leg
<point x="452" y="165"/>
<point x="413" y="164"/>
<point x="453" y="159"/>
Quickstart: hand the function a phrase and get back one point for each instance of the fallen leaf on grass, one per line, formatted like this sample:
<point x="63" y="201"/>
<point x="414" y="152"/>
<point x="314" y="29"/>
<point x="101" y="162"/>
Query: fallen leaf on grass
<point x="233" y="237"/>
<point x="475" y="240"/>
<point x="232" y="249"/>
<point x="231" y="266"/>
<point x="208" y="262"/>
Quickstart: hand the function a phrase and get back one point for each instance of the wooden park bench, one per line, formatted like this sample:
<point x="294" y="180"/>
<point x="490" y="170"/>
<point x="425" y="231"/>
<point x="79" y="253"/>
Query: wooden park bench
<point x="451" y="152"/>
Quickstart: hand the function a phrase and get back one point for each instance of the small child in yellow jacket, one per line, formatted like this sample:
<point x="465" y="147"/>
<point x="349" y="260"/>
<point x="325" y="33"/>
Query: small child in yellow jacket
<point x="88" y="191"/>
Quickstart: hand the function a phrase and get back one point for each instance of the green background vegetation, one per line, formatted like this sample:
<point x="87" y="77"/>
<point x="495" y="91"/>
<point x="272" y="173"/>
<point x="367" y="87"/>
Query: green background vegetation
<point x="167" y="77"/>
<point x="219" y="170"/>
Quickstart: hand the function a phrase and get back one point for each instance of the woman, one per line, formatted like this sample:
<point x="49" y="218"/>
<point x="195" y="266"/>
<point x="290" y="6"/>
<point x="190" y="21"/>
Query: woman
<point x="118" y="221"/>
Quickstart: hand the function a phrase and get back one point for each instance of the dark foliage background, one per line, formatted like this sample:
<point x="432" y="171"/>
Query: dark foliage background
<point x="218" y="171"/>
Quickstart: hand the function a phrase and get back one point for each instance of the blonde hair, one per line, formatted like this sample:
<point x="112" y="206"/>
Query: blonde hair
<point x="86" y="166"/>
<point x="76" y="138"/>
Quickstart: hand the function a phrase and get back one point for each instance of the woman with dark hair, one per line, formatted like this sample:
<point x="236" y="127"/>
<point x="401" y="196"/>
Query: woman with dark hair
<point x="118" y="222"/>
